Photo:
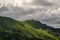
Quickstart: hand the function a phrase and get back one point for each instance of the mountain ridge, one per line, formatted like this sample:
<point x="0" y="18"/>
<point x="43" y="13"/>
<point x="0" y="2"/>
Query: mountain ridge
<point x="11" y="29"/>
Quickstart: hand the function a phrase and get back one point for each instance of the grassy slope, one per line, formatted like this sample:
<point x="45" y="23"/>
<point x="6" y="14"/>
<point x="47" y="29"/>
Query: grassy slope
<point x="11" y="29"/>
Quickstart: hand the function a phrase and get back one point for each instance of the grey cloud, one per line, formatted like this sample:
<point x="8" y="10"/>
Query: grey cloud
<point x="15" y="12"/>
<point x="21" y="14"/>
<point x="53" y="21"/>
<point x="49" y="15"/>
<point x="3" y="9"/>
<point x="43" y="2"/>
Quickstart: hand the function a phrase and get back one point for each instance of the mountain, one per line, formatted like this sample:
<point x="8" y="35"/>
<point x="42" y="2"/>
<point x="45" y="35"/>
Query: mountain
<point x="39" y="25"/>
<point x="11" y="29"/>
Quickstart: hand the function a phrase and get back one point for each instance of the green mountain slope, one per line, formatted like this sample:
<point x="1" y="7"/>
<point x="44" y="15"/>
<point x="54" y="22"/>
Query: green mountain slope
<point x="39" y="25"/>
<point x="11" y="29"/>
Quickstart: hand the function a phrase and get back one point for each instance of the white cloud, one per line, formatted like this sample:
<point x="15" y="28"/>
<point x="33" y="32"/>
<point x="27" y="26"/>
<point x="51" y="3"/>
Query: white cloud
<point x="13" y="3"/>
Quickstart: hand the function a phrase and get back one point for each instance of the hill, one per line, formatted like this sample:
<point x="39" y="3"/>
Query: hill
<point x="11" y="29"/>
<point x="39" y="25"/>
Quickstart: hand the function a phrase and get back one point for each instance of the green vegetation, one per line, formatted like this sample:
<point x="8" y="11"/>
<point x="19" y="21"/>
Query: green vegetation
<point x="11" y="29"/>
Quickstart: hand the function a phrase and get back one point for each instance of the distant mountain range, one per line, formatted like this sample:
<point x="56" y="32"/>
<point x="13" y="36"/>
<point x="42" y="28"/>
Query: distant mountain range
<point x="11" y="29"/>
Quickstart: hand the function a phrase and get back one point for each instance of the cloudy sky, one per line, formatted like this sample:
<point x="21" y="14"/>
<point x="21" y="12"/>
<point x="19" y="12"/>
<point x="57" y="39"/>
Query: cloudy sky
<point x="46" y="11"/>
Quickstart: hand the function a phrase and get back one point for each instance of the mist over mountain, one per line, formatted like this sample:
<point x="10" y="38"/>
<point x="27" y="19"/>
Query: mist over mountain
<point x="11" y="29"/>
